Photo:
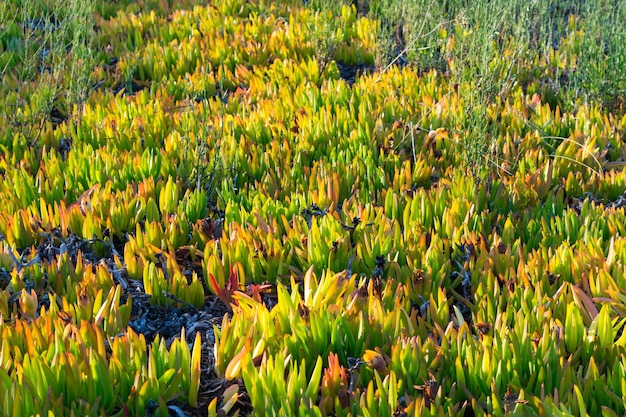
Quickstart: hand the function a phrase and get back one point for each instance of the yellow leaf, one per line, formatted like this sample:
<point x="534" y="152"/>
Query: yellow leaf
<point x="233" y="370"/>
<point x="196" y="356"/>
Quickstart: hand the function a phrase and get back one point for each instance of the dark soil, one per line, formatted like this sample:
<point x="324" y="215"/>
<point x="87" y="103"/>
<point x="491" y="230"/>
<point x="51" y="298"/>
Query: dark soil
<point x="350" y="73"/>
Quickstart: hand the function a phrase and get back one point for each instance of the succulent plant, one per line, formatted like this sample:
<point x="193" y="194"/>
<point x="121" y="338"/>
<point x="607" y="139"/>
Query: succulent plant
<point x="444" y="237"/>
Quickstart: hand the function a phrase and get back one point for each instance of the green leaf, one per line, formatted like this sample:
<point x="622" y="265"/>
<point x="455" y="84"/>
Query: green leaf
<point x="605" y="327"/>
<point x="102" y="379"/>
<point x="607" y="412"/>
<point x="152" y="211"/>
<point x="393" y="391"/>
<point x="194" y="385"/>
<point x="168" y="197"/>
<point x="574" y="328"/>
<point x="582" y="409"/>
<point x="314" y="382"/>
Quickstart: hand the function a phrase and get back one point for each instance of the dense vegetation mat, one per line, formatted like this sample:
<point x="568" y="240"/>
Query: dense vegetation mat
<point x="277" y="208"/>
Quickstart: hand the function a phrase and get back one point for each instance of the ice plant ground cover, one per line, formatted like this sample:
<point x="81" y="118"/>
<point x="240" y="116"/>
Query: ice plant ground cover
<point x="376" y="208"/>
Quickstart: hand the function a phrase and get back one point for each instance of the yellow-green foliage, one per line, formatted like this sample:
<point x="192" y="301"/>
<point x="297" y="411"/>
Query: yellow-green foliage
<point x="430" y="253"/>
